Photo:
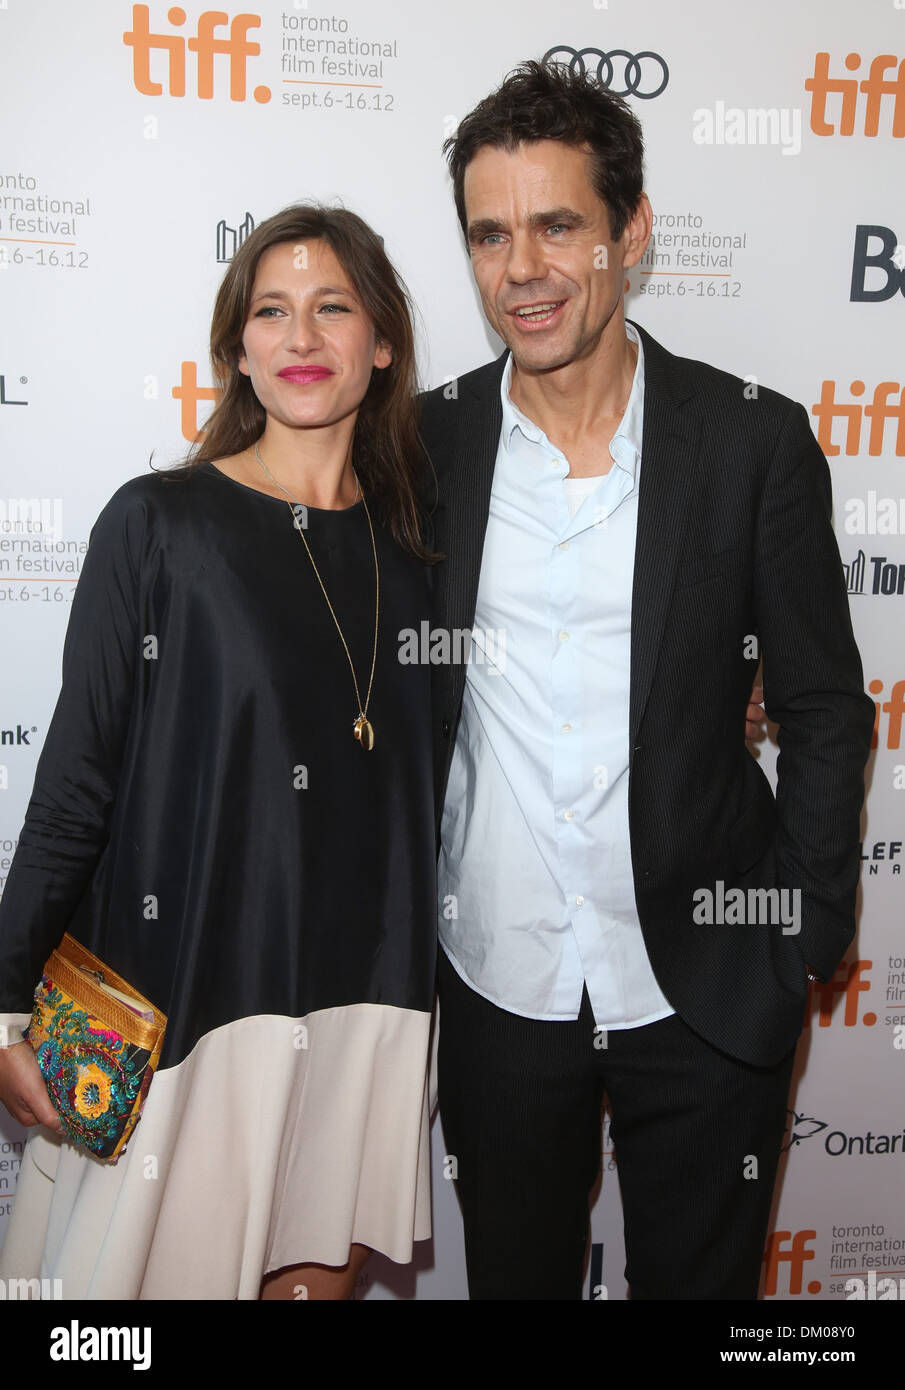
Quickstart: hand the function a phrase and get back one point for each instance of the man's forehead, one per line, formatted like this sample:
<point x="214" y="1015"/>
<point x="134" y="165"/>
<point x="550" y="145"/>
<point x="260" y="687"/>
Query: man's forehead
<point x="544" y="173"/>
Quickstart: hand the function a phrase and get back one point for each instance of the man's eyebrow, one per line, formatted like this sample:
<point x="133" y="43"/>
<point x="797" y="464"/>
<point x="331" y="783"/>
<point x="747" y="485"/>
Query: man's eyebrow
<point x="483" y="227"/>
<point x="487" y="226"/>
<point x="546" y="219"/>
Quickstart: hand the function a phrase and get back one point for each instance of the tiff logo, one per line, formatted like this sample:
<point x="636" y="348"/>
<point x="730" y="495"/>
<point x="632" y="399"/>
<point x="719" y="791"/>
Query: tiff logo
<point x="189" y="393"/>
<point x="878" y="412"/>
<point x="874" y="87"/>
<point x="235" y="47"/>
<point x="794" y="1256"/>
<point x="850" y="981"/>
<point x="893" y="708"/>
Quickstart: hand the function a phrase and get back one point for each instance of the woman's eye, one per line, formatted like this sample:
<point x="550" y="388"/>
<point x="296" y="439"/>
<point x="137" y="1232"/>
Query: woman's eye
<point x="267" y="309"/>
<point x="342" y="308"/>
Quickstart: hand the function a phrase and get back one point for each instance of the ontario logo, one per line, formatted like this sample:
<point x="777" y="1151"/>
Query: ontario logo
<point x="837" y="1143"/>
<point x="206" y="45"/>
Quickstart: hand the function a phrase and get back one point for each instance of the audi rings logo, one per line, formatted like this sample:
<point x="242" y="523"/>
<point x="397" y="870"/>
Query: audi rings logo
<point x="638" y="69"/>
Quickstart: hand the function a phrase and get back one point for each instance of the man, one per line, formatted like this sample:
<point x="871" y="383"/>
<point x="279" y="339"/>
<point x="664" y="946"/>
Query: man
<point x="625" y="530"/>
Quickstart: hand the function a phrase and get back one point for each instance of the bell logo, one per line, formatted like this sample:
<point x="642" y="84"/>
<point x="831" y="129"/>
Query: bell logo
<point x="874" y="87"/>
<point x="888" y="404"/>
<point x="889" y="260"/>
<point x="189" y="393"/>
<point x="235" y="46"/>
<point x="849" y="980"/>
<point x="795" y="1256"/>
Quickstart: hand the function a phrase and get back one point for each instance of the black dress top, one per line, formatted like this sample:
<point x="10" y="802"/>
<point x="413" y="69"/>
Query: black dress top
<point x="203" y="818"/>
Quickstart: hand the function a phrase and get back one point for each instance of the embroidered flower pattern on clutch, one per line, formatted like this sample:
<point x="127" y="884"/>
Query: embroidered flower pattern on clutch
<point x="95" y="1078"/>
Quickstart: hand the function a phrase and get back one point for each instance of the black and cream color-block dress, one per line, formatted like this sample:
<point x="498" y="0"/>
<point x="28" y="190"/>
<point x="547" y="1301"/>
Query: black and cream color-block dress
<point x="205" y="822"/>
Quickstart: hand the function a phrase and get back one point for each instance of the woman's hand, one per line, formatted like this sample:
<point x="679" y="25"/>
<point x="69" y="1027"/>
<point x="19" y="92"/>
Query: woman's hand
<point x="22" y="1088"/>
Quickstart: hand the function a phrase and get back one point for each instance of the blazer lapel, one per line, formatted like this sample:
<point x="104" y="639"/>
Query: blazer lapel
<point x="669" y="470"/>
<point x="479" y="419"/>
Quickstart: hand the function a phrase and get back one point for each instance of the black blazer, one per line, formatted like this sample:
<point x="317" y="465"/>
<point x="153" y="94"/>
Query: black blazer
<point x="734" y="541"/>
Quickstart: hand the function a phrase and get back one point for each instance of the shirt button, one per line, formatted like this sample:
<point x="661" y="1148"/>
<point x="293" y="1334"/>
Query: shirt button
<point x="564" y="545"/>
<point x="567" y="728"/>
<point x="579" y="901"/>
<point x="568" y="815"/>
<point x="563" y="637"/>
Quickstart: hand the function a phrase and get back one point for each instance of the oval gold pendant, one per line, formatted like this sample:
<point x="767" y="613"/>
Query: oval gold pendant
<point x="364" y="732"/>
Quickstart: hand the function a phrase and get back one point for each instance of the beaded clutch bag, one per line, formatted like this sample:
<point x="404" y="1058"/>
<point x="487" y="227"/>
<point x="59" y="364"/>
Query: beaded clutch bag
<point x="97" y="1042"/>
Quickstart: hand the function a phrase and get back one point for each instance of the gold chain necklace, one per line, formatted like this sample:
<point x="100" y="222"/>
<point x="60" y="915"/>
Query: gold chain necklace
<point x="362" y="729"/>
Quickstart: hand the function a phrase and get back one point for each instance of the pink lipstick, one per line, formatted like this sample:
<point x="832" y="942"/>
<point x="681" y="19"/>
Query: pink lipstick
<point x="302" y="375"/>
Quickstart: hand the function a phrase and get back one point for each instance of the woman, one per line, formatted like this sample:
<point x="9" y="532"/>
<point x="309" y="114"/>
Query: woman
<point x="233" y="809"/>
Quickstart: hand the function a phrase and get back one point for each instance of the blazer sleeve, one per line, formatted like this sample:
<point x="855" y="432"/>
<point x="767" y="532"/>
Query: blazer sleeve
<point x="67" y="823"/>
<point x="813" y="688"/>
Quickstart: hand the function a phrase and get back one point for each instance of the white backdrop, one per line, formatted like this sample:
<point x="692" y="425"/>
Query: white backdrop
<point x="128" y="166"/>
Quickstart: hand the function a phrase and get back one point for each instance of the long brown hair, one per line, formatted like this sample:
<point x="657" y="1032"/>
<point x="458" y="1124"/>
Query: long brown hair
<point x="387" y="453"/>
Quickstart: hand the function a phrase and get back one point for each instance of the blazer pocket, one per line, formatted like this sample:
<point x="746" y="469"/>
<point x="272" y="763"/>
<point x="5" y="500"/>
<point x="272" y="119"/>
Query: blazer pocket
<point x="751" y="835"/>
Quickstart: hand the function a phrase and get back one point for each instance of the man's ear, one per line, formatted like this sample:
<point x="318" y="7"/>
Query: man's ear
<point x="637" y="232"/>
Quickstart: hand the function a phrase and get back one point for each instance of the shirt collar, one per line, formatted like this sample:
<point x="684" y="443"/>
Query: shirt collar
<point x="625" y="446"/>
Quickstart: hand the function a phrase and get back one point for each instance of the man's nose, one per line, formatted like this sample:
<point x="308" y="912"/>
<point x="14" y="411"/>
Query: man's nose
<point x="526" y="259"/>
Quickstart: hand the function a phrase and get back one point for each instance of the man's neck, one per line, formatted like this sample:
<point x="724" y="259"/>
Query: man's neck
<point x="579" y="406"/>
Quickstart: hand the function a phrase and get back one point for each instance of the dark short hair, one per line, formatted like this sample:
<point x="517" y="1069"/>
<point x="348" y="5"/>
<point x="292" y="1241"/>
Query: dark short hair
<point x="547" y="101"/>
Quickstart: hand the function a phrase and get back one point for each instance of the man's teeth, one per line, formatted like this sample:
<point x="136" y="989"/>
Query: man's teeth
<point x="537" y="311"/>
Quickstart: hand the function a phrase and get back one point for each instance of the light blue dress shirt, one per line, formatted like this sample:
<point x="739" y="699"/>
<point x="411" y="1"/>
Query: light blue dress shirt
<point x="536" y="890"/>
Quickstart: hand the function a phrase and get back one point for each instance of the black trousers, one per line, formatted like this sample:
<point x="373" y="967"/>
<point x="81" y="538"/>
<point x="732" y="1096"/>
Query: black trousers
<point x="697" y="1136"/>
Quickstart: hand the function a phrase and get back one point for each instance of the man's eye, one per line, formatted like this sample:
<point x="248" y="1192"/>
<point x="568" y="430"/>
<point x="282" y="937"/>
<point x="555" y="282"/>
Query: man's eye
<point x="492" y="239"/>
<point x="558" y="227"/>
